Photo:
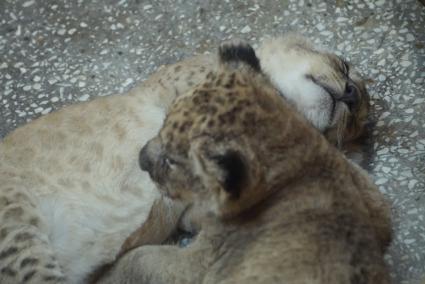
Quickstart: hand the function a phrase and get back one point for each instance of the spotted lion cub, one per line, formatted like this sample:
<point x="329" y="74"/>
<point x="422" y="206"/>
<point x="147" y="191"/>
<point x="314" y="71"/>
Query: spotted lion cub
<point x="71" y="191"/>
<point x="281" y="204"/>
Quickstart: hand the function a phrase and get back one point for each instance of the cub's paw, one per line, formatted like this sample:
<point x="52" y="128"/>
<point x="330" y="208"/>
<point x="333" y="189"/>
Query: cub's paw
<point x="236" y="52"/>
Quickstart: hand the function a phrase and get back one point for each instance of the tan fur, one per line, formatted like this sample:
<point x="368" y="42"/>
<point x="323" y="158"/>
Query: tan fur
<point x="288" y="52"/>
<point x="85" y="153"/>
<point x="70" y="184"/>
<point x="279" y="206"/>
<point x="82" y="160"/>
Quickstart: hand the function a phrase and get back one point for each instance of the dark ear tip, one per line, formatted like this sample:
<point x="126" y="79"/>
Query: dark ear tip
<point x="234" y="170"/>
<point x="237" y="52"/>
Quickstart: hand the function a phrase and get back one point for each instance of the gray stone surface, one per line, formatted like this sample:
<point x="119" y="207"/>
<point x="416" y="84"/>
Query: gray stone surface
<point x="53" y="54"/>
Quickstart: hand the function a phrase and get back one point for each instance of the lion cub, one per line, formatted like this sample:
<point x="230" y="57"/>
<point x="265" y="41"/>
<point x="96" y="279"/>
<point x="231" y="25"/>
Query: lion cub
<point x="281" y="205"/>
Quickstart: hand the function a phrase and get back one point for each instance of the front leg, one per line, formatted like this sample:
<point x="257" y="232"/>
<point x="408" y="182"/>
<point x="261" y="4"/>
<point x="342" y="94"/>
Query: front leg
<point x="159" y="265"/>
<point x="161" y="222"/>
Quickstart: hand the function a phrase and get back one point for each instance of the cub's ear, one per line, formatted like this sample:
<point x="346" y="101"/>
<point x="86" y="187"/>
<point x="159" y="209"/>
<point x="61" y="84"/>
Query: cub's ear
<point x="221" y="166"/>
<point x="235" y="53"/>
<point x="233" y="172"/>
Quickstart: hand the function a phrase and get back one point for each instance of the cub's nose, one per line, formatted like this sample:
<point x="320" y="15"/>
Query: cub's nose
<point x="350" y="96"/>
<point x="145" y="162"/>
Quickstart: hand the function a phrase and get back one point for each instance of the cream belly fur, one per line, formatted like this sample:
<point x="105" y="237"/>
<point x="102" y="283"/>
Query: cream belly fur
<point x="71" y="191"/>
<point x="94" y="195"/>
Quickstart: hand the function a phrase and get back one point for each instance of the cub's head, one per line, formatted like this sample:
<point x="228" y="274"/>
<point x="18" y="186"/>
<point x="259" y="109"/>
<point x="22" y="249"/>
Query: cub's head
<point x="322" y="86"/>
<point x="232" y="141"/>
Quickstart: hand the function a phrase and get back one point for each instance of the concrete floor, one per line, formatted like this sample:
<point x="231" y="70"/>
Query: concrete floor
<point x="53" y="54"/>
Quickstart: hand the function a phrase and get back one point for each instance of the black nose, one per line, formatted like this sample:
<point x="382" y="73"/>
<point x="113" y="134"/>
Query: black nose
<point x="144" y="162"/>
<point x="350" y="96"/>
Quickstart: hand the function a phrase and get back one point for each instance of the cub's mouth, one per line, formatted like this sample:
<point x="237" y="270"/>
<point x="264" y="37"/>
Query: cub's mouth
<point x="350" y="97"/>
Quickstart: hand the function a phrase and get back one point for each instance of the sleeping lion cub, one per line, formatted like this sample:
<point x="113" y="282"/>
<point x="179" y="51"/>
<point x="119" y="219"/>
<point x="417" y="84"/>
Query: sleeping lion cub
<point x="71" y="191"/>
<point x="281" y="205"/>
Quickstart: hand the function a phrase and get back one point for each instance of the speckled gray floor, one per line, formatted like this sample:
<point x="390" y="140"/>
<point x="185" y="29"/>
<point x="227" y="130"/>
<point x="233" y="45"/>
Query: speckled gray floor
<point x="53" y="54"/>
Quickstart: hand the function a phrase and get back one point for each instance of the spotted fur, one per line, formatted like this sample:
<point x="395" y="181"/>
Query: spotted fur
<point x="281" y="205"/>
<point x="72" y="196"/>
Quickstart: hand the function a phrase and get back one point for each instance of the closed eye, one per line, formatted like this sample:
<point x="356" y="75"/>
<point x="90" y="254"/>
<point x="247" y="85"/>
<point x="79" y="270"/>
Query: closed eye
<point x="346" y="67"/>
<point x="170" y="162"/>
